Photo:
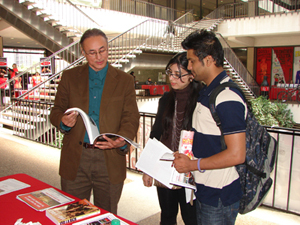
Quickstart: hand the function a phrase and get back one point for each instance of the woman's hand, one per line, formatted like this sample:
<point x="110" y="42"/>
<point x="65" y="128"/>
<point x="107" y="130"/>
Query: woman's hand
<point x="147" y="180"/>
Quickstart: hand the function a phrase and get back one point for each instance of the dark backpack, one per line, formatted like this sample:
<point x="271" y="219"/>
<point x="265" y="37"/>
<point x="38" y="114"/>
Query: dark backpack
<point x="261" y="152"/>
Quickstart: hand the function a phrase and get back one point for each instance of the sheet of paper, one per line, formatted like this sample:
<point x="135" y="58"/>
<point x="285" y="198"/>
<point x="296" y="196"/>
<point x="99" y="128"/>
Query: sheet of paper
<point x="150" y="163"/>
<point x="10" y="185"/>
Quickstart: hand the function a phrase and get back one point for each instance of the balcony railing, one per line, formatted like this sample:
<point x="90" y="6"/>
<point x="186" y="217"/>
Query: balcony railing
<point x="252" y="8"/>
<point x="283" y="195"/>
<point x="143" y="8"/>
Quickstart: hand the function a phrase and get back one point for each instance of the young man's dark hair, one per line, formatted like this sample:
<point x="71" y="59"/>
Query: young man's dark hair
<point x="205" y="43"/>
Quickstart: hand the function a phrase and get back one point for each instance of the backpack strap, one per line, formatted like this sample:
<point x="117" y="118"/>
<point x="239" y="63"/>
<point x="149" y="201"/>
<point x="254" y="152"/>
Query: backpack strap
<point x="212" y="106"/>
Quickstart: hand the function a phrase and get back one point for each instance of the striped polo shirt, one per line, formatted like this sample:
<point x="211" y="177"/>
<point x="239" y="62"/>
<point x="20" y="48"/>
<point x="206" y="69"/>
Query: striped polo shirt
<point x="216" y="184"/>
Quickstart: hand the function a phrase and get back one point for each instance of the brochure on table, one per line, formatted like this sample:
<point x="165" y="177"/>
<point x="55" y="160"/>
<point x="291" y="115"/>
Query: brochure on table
<point x="72" y="212"/>
<point x="10" y="185"/>
<point x="44" y="199"/>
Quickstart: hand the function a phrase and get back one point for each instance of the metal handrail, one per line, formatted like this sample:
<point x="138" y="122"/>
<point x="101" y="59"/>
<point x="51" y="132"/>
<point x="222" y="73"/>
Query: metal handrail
<point x="65" y="15"/>
<point x="242" y="71"/>
<point x="36" y="65"/>
<point x="83" y="12"/>
<point x="133" y="39"/>
<point x="188" y="17"/>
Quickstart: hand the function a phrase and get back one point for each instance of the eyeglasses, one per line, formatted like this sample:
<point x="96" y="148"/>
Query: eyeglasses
<point x="95" y="53"/>
<point x="175" y="75"/>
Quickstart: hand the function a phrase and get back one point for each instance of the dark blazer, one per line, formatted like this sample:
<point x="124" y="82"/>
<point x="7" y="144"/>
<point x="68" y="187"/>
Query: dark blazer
<point x="118" y="114"/>
<point x="157" y="128"/>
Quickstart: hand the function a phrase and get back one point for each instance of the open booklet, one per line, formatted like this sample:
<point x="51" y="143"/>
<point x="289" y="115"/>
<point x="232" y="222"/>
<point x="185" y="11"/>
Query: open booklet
<point x="156" y="160"/>
<point x="93" y="131"/>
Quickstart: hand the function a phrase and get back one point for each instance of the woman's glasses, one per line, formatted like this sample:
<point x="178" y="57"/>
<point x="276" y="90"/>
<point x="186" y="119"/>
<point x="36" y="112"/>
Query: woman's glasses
<point x="175" y="75"/>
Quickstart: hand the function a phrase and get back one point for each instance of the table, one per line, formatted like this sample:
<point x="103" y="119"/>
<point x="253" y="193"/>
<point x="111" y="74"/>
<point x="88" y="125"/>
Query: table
<point x="156" y="89"/>
<point x="3" y="80"/>
<point x="275" y="90"/>
<point x="13" y="209"/>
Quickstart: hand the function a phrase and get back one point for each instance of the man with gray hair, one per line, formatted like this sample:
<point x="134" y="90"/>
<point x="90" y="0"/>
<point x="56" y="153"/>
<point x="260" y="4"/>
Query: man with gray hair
<point x="107" y="95"/>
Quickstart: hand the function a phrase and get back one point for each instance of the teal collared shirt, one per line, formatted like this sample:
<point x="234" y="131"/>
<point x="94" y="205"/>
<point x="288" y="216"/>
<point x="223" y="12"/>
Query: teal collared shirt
<point x="96" y="85"/>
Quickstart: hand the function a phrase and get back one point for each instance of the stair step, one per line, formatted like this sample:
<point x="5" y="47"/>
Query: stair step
<point x="117" y="65"/>
<point x="26" y="2"/>
<point x="23" y="117"/>
<point x="137" y="51"/>
<point x="50" y="20"/>
<point x="31" y="110"/>
<point x="130" y="56"/>
<point x="51" y="85"/>
<point x="19" y="125"/>
<point x="42" y="14"/>
<point x="42" y="97"/>
<point x="123" y="60"/>
<point x="47" y="91"/>
<point x="34" y="8"/>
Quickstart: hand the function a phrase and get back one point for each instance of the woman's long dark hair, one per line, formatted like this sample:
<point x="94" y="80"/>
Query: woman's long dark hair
<point x="181" y="61"/>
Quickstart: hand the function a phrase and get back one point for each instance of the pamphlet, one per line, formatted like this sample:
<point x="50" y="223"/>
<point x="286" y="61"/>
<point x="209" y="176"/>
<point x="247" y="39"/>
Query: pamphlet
<point x="44" y="199"/>
<point x="10" y="185"/>
<point x="93" y="131"/>
<point x="104" y="219"/>
<point x="185" y="147"/>
<point x="72" y="212"/>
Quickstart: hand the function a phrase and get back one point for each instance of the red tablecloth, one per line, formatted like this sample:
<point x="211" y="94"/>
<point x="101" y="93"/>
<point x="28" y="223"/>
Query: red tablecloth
<point x="275" y="90"/>
<point x="3" y="80"/>
<point x="156" y="89"/>
<point x="13" y="209"/>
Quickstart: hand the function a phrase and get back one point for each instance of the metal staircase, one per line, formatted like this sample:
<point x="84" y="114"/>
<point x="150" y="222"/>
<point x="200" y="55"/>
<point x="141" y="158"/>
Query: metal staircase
<point x="28" y="113"/>
<point x="28" y="22"/>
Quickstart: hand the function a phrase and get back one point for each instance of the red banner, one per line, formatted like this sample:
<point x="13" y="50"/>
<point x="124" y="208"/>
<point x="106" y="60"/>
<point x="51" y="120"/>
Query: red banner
<point x="284" y="56"/>
<point x="263" y="64"/>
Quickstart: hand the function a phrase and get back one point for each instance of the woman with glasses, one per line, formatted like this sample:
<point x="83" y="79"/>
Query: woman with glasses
<point x="174" y="114"/>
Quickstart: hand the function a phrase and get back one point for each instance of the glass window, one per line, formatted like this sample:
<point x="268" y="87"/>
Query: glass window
<point x="207" y="7"/>
<point x="241" y="53"/>
<point x="180" y="5"/>
<point x="160" y="2"/>
<point x="194" y="4"/>
<point x="24" y="58"/>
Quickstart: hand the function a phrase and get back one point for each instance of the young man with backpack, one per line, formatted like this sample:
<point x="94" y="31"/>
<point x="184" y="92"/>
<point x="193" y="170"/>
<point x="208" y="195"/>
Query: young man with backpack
<point x="218" y="184"/>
